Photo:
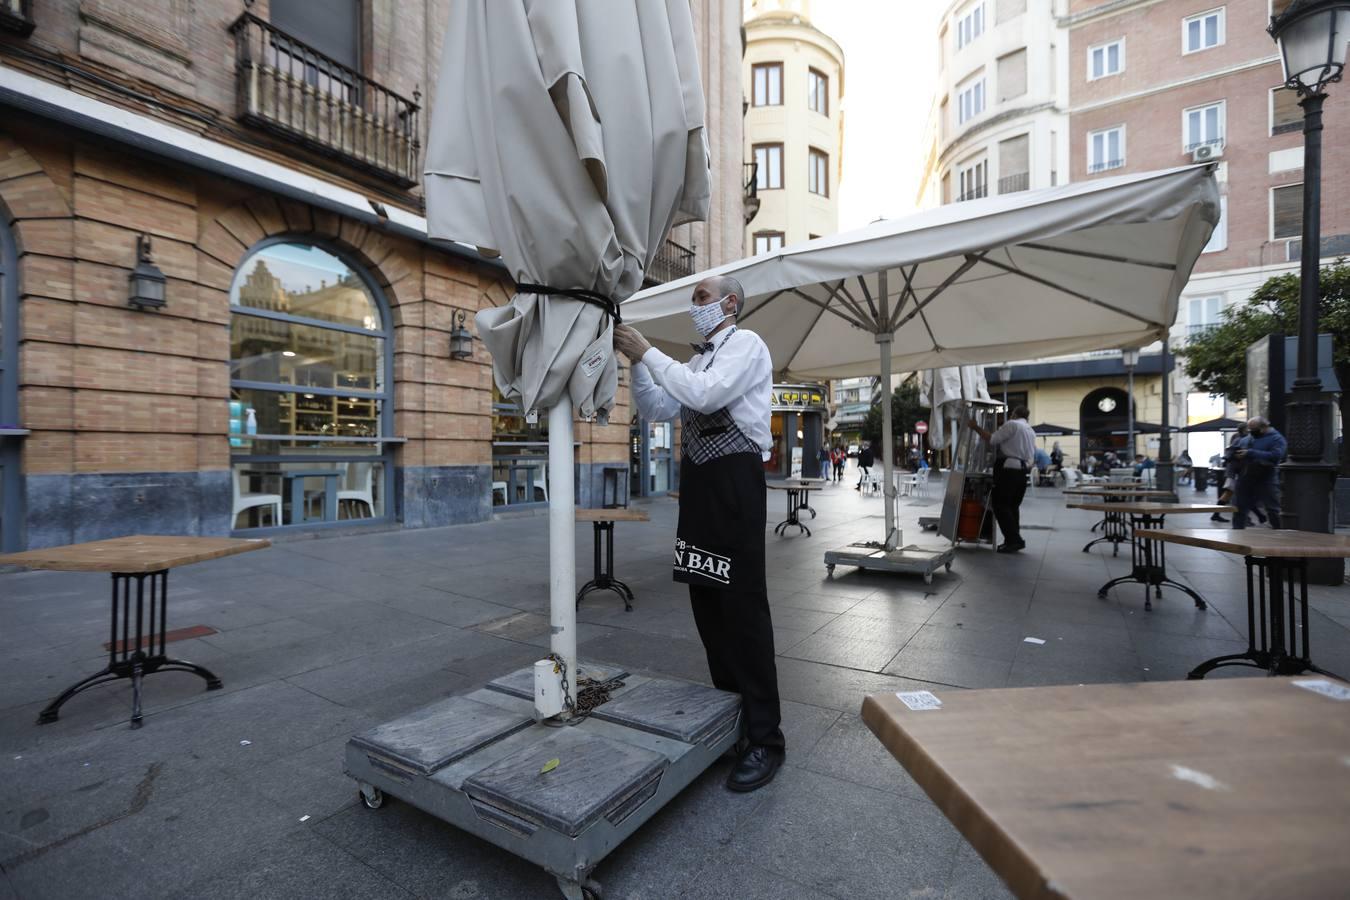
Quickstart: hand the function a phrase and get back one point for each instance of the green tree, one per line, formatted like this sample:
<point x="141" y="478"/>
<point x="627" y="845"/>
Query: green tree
<point x="905" y="411"/>
<point x="1217" y="359"/>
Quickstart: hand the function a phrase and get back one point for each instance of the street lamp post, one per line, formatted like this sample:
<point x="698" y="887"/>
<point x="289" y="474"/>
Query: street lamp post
<point x="1129" y="359"/>
<point x="1312" y="37"/>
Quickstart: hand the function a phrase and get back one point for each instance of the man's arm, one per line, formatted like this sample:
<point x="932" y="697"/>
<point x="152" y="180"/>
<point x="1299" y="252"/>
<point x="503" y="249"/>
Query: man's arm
<point x="653" y="402"/>
<point x="1272" y="456"/>
<point x="738" y="368"/>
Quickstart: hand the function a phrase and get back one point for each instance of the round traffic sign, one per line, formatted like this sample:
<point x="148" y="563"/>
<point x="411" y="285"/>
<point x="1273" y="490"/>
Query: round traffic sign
<point x="920" y="427"/>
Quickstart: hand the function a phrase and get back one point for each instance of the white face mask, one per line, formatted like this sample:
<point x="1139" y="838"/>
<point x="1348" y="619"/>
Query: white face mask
<point x="707" y="317"/>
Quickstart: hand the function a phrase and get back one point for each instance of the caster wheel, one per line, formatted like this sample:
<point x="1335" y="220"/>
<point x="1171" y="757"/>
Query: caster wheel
<point x="372" y="800"/>
<point x="829" y="570"/>
<point x="927" y="577"/>
<point x="949" y="567"/>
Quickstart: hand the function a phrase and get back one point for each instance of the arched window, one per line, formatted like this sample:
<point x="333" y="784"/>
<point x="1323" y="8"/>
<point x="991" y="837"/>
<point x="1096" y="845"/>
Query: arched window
<point x="11" y="494"/>
<point x="1102" y="413"/>
<point x="310" y="390"/>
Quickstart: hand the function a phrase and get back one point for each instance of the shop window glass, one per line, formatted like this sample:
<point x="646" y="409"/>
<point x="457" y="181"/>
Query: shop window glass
<point x="309" y="394"/>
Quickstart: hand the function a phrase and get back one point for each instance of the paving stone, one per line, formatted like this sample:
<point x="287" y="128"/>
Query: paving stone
<point x="839" y="650"/>
<point x="972" y="879"/>
<point x="850" y="752"/>
<point x="944" y="668"/>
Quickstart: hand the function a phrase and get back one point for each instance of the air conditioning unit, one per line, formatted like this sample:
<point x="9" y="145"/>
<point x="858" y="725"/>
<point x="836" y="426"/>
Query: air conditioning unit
<point x="1207" y="153"/>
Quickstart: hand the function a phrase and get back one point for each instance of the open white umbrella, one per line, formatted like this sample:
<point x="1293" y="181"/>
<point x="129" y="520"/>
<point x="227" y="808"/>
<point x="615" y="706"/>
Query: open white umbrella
<point x="1082" y="267"/>
<point x="568" y="136"/>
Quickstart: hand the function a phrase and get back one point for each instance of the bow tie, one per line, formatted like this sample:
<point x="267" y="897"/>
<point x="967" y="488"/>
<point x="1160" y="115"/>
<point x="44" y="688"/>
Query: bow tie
<point x="703" y="347"/>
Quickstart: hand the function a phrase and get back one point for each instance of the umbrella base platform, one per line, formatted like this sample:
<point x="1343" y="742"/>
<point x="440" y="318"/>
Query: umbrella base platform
<point x="560" y="796"/>
<point x="911" y="560"/>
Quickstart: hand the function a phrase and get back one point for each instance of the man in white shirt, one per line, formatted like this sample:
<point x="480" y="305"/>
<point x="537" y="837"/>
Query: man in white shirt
<point x="722" y="396"/>
<point x="1014" y="446"/>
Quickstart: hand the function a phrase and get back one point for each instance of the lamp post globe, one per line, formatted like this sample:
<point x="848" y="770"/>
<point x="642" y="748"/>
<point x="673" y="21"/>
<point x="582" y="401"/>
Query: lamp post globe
<point x="1312" y="37"/>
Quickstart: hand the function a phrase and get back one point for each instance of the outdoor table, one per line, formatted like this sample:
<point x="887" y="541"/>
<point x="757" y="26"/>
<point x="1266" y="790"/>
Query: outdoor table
<point x="1131" y="791"/>
<point x="807" y="485"/>
<point x="1275" y="559"/>
<point x="794" y="503"/>
<point x="1148" y="564"/>
<point x="146" y="559"/>
<point x="1111" y="524"/>
<point x="604" y="580"/>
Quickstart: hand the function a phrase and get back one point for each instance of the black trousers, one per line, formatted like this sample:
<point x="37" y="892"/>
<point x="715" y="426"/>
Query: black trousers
<point x="737" y="635"/>
<point x="1010" y="486"/>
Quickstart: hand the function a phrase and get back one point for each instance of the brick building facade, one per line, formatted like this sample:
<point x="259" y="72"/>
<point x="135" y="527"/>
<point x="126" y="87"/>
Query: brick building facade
<point x="244" y="142"/>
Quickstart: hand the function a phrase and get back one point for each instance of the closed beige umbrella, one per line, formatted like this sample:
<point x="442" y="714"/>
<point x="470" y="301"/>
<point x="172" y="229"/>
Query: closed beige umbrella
<point x="567" y="136"/>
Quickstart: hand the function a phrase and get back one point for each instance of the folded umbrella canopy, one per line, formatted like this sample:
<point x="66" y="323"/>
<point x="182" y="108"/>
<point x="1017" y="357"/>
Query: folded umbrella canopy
<point x="567" y="136"/>
<point x="1222" y="423"/>
<point x="1086" y="266"/>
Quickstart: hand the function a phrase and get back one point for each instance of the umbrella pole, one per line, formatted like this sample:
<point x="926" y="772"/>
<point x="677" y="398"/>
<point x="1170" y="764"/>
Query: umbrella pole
<point x="887" y="438"/>
<point x="562" y="556"/>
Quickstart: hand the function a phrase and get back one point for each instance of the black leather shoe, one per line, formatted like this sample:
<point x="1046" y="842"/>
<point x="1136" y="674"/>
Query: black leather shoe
<point x="1217" y="518"/>
<point x="755" y="769"/>
<point x="1010" y="547"/>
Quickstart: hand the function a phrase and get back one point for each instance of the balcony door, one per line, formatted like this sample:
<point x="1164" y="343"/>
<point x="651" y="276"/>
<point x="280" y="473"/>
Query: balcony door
<point x="332" y="28"/>
<point x="11" y="493"/>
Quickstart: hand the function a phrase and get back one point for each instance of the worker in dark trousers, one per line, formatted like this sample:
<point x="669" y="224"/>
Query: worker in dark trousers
<point x="1258" y="484"/>
<point x="723" y="397"/>
<point x="1014" y="445"/>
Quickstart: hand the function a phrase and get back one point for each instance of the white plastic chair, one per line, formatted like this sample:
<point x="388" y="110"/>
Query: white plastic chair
<point x="244" y="501"/>
<point x="498" y="486"/>
<point x="359" y="479"/>
<point x="1070" y="477"/>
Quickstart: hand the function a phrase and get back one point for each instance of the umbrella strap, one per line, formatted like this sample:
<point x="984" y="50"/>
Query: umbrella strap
<point x="585" y="296"/>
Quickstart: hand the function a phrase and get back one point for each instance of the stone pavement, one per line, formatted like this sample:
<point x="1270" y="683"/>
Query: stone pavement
<point x="240" y="793"/>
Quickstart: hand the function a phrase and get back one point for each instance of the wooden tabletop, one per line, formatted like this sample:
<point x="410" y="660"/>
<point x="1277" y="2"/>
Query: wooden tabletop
<point x="1154" y="508"/>
<point x="1254" y="542"/>
<point x="1125" y="491"/>
<point x="613" y="515"/>
<point x="1130" y="791"/>
<point x="137" y="553"/>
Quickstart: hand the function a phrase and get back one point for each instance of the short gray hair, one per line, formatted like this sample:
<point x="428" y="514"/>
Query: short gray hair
<point x="728" y="286"/>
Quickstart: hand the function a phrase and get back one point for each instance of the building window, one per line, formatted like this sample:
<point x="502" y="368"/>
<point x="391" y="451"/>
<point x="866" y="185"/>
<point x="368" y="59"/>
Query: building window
<point x="818" y="174"/>
<point x="970" y="26"/>
<point x="1014" y="164"/>
<point x="767" y="82"/>
<point x="1106" y="149"/>
<point x="768" y="241"/>
<point x="1007" y="10"/>
<point x="768" y="166"/>
<point x="1106" y="59"/>
<point x="1219" y="239"/>
<point x="1203" y="125"/>
<point x="310" y="395"/>
<point x="974" y="181"/>
<point x="1203" y="314"/>
<point x="1285" y="113"/>
<point x="1012" y="75"/>
<point x="970" y="101"/>
<point x="818" y="91"/>
<point x="1203" y="31"/>
<point x="1286" y="211"/>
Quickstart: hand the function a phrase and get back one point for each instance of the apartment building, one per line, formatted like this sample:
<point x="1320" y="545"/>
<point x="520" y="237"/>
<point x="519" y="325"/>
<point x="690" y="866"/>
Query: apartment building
<point x="1163" y="83"/>
<point x="219" y="309"/>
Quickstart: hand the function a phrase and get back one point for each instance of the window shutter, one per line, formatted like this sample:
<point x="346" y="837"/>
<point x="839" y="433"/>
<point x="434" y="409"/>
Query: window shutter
<point x="1288" y="211"/>
<point x="1287" y="114"/>
<point x="333" y="28"/>
<point x="1009" y="9"/>
<point x="1012" y="75"/>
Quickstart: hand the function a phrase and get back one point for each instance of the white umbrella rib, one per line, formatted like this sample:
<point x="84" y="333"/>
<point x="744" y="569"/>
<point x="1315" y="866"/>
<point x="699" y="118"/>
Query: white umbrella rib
<point x="827" y="308"/>
<point x="1105" y="257"/>
<point x="850" y="301"/>
<point x="971" y="260"/>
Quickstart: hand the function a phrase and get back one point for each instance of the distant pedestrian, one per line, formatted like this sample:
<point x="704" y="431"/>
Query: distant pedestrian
<point x="1228" y="463"/>
<point x="840" y="458"/>
<point x="1258" y="478"/>
<point x="865" y="460"/>
<point x="824" y="462"/>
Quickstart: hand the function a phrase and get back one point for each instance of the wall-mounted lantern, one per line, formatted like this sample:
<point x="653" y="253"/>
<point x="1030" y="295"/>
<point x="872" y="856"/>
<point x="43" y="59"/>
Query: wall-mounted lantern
<point x="461" y="341"/>
<point x="147" y="281"/>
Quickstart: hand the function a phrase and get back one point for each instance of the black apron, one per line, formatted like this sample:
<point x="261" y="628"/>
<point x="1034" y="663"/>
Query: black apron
<point x="719" y="542"/>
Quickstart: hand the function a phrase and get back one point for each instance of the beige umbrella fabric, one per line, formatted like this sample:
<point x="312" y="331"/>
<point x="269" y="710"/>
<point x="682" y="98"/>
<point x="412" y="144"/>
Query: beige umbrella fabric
<point x="568" y="136"/>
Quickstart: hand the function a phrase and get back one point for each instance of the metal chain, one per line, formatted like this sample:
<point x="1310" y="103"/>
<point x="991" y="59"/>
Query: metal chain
<point x="590" y="693"/>
<point x="560" y="665"/>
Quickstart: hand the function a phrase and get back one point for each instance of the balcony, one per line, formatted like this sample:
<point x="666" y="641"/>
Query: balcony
<point x="1199" y="330"/>
<point x="16" y="15"/>
<point x="1011" y="184"/>
<point x="1105" y="166"/>
<point x="974" y="194"/>
<point x="673" y="262"/>
<point x="290" y="89"/>
<point x="751" y="191"/>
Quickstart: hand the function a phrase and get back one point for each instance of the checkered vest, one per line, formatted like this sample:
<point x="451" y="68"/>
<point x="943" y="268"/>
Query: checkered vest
<point x="709" y="436"/>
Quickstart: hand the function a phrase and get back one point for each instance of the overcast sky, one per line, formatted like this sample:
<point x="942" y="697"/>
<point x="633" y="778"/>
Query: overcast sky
<point x="890" y="73"/>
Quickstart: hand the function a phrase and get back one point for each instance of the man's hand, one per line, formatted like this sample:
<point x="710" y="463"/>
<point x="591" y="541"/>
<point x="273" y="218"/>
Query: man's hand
<point x="631" y="344"/>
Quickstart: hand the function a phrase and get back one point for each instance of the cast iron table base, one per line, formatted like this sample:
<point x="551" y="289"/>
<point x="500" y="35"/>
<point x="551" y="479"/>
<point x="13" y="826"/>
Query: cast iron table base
<point x="1148" y="563"/>
<point x="794" y="504"/>
<point x="1271" y="654"/>
<point x="604" y="579"/>
<point x="134" y="656"/>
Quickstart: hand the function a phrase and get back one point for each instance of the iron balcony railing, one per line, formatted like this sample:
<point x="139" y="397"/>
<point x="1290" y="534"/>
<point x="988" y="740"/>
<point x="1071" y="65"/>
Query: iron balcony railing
<point x="1105" y="165"/>
<point x="291" y="89"/>
<point x="974" y="194"/>
<point x="1199" y="330"/>
<point x="751" y="191"/>
<point x="16" y="15"/>
<point x="672" y="263"/>
<point x="1011" y="184"/>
